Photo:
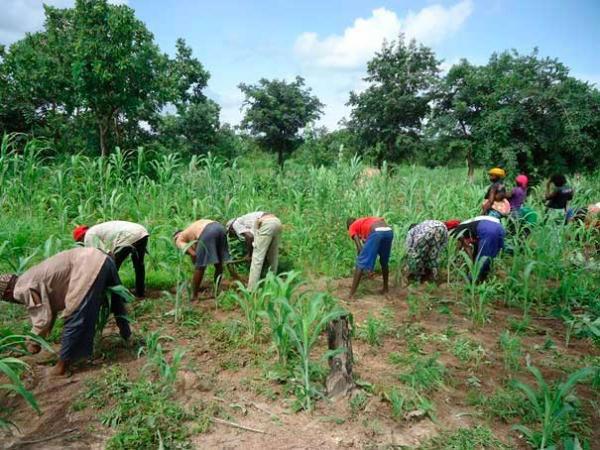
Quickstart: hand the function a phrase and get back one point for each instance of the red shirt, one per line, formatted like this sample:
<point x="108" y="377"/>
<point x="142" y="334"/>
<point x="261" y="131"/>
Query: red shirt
<point x="362" y="227"/>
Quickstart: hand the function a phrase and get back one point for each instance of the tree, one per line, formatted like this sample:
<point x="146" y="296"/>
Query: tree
<point x="522" y="112"/>
<point x="117" y="67"/>
<point x="389" y="113"/>
<point x="197" y="120"/>
<point x="276" y="111"/>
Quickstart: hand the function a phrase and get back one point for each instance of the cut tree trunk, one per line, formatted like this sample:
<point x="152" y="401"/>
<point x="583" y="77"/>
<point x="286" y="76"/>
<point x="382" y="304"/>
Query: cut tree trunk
<point x="339" y="381"/>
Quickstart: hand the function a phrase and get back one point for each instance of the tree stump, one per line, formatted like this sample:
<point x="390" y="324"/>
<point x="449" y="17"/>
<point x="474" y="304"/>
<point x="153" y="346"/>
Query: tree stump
<point x="339" y="381"/>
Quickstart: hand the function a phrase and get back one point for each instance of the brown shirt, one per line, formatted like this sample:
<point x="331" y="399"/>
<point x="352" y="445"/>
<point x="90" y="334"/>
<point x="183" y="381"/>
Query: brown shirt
<point x="191" y="233"/>
<point x="58" y="284"/>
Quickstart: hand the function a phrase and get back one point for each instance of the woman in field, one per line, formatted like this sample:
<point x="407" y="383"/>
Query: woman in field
<point x="73" y="282"/>
<point x="483" y="239"/>
<point x="424" y="244"/>
<point x="517" y="196"/>
<point x="497" y="176"/>
<point x="372" y="237"/>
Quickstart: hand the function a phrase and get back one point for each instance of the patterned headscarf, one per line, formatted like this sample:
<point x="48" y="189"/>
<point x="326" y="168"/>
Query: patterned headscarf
<point x="7" y="280"/>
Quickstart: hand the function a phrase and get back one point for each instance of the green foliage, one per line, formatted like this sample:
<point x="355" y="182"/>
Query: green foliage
<point x="522" y="112"/>
<point x="468" y="351"/>
<point x="476" y="438"/>
<point x="373" y="330"/>
<point x="387" y="116"/>
<point x="12" y="367"/>
<point x="554" y="405"/>
<point x="511" y="351"/>
<point x="276" y="111"/>
<point x="157" y="359"/>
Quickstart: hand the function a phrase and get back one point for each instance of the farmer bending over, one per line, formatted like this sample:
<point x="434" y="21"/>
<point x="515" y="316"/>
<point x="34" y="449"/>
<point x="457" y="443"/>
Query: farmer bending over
<point x="424" y="244"/>
<point x="372" y="237"/>
<point x="261" y="232"/>
<point x="121" y="239"/>
<point x="210" y="247"/>
<point x="558" y="197"/>
<point x="482" y="238"/>
<point x="74" y="282"/>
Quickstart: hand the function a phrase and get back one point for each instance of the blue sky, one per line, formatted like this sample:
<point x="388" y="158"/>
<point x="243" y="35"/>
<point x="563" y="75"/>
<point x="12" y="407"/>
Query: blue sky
<point x="329" y="41"/>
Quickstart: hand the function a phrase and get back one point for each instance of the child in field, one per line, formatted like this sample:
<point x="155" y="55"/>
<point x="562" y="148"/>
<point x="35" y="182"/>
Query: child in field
<point x="500" y="206"/>
<point x="373" y="237"/>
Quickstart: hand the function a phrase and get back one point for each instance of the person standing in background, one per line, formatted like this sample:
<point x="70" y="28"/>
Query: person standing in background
<point x="121" y="239"/>
<point x="558" y="196"/>
<point x="497" y="176"/>
<point x="261" y="232"/>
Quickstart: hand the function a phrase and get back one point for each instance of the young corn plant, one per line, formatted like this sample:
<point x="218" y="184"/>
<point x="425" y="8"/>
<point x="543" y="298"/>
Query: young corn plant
<point x="554" y="405"/>
<point x="373" y="330"/>
<point x="307" y="319"/>
<point x="157" y="359"/>
<point x="12" y="368"/>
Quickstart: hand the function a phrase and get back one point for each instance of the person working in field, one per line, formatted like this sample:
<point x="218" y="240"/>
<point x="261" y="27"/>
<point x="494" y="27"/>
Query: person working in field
<point x="206" y="243"/>
<point x="373" y="237"/>
<point x="261" y="232"/>
<point x="517" y="196"/>
<point x="121" y="239"/>
<point x="74" y="282"/>
<point x="558" y="196"/>
<point x="482" y="238"/>
<point x="497" y="176"/>
<point x="500" y="207"/>
<point x="424" y="244"/>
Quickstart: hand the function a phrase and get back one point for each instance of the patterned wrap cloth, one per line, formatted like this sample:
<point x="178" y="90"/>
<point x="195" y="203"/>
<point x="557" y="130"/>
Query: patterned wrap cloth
<point x="424" y="243"/>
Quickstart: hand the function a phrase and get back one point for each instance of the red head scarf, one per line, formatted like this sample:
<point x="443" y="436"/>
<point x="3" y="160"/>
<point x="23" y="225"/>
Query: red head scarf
<point x="79" y="232"/>
<point x="452" y="224"/>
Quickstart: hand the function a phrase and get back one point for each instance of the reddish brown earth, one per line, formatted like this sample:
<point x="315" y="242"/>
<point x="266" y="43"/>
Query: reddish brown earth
<point x="234" y="383"/>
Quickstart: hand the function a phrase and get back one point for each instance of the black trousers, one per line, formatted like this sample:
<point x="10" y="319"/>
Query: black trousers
<point x="80" y="328"/>
<point x="137" y="251"/>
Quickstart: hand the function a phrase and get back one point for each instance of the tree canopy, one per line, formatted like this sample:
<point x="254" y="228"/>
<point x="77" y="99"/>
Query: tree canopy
<point x="275" y="112"/>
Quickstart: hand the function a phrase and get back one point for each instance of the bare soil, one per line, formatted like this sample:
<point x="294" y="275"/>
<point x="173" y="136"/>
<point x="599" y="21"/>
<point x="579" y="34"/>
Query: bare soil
<point x="233" y="380"/>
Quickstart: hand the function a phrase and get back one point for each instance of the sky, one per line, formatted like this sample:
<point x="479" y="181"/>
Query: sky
<point x="328" y="42"/>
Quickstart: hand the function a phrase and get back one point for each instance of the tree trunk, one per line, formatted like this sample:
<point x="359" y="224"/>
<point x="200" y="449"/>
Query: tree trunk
<point x="280" y="157"/>
<point x="102" y="137"/>
<point x="339" y="381"/>
<point x="470" y="167"/>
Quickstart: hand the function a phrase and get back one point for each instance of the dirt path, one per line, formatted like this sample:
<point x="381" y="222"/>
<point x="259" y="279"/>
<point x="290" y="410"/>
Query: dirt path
<point x="234" y="381"/>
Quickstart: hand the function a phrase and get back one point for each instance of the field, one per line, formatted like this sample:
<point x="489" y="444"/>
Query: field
<point x="513" y="363"/>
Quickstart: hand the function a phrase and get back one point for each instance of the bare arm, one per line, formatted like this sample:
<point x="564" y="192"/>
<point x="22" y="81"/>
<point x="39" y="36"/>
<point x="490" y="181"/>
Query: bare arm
<point x="358" y="243"/>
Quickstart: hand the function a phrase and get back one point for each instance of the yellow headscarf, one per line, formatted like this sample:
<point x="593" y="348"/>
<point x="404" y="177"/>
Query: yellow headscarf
<point x="498" y="172"/>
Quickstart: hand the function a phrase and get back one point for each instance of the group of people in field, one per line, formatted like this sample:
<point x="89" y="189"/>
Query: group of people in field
<point x="74" y="283"/>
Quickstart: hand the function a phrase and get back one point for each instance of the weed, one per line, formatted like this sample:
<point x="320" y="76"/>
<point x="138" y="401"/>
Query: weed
<point x="468" y="351"/>
<point x="424" y="374"/>
<point x="373" y="330"/>
<point x="358" y="402"/>
<point x="478" y="437"/>
<point x="511" y="351"/>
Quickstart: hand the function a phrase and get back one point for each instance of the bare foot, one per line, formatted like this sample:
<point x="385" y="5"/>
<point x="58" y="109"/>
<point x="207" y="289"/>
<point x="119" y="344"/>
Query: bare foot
<point x="59" y="369"/>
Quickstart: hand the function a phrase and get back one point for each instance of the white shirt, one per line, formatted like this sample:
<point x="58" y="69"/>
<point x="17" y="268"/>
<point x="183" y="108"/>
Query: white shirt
<point x="114" y="235"/>
<point x="245" y="223"/>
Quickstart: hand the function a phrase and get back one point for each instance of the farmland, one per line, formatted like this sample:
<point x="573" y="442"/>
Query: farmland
<point x="450" y="364"/>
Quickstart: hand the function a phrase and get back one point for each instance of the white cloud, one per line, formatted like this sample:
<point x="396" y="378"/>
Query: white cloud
<point x="360" y="41"/>
<point x="18" y="17"/>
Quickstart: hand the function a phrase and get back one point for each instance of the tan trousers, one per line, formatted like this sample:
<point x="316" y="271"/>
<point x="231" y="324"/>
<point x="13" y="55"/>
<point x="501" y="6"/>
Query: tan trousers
<point x="266" y="246"/>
